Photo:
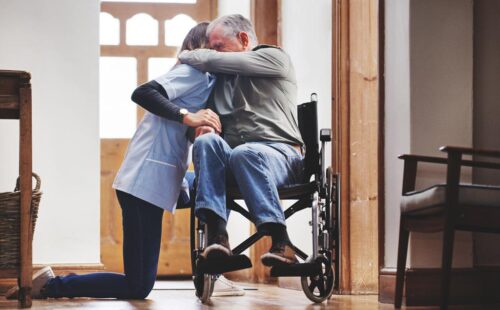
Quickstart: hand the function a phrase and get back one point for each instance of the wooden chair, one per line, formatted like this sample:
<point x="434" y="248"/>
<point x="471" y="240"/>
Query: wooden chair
<point x="446" y="207"/>
<point x="15" y="103"/>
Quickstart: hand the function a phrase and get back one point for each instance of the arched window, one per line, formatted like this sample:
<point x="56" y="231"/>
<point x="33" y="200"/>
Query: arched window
<point x="177" y="28"/>
<point x="142" y="29"/>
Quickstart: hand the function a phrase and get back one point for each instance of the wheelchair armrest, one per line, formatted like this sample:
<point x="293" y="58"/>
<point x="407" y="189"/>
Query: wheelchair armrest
<point x="325" y="135"/>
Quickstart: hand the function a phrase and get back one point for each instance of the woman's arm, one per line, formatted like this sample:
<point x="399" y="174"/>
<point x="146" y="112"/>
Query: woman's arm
<point x="153" y="98"/>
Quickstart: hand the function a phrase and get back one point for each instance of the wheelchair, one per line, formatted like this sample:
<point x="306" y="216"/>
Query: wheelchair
<point x="319" y="192"/>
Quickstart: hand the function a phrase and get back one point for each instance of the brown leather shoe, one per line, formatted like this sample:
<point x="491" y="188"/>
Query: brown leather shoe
<point x="279" y="254"/>
<point x="217" y="248"/>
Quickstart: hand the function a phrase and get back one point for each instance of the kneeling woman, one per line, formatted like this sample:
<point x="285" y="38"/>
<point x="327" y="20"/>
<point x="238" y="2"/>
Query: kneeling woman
<point x="149" y="180"/>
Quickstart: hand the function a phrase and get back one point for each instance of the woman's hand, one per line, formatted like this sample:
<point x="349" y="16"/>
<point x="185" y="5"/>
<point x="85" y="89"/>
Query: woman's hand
<point x="204" y="117"/>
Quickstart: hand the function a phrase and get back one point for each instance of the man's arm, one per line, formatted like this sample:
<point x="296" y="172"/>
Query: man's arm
<point x="264" y="62"/>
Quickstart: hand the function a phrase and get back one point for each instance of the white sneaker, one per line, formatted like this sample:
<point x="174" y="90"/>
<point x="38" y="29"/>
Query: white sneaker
<point x="224" y="287"/>
<point x="40" y="278"/>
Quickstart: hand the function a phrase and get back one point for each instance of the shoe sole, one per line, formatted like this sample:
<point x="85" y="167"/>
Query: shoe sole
<point x="45" y="269"/>
<point x="227" y="293"/>
<point x="271" y="260"/>
<point x="216" y="251"/>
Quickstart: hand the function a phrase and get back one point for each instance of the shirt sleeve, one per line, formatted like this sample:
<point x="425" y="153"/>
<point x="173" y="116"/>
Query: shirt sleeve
<point x="181" y="80"/>
<point x="264" y="62"/>
<point x="153" y="98"/>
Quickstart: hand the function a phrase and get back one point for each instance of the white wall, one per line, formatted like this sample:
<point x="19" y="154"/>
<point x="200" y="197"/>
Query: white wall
<point x="57" y="41"/>
<point x="234" y="7"/>
<point x="428" y="104"/>
<point x="307" y="38"/>
<point x="441" y="103"/>
<point x="397" y="115"/>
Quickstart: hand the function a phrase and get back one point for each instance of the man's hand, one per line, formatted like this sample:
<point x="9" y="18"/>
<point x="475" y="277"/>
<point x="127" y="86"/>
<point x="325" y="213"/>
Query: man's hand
<point x="202" y="130"/>
<point x="204" y="117"/>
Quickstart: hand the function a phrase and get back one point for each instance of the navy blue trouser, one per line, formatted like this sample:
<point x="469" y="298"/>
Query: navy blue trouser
<point x="142" y="223"/>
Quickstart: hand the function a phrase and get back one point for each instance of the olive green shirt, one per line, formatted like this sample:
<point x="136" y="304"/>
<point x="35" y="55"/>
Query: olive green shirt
<point x="254" y="95"/>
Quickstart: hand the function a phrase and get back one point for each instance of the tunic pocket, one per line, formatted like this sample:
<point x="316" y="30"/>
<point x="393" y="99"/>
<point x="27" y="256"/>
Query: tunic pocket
<point x="160" y="181"/>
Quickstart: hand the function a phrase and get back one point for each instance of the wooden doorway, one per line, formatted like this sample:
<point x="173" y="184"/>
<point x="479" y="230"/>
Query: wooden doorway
<point x="146" y="56"/>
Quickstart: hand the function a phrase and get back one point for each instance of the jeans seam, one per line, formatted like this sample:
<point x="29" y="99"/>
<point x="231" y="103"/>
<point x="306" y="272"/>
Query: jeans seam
<point x="266" y="177"/>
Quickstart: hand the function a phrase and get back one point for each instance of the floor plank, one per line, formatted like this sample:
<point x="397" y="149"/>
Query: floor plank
<point x="257" y="296"/>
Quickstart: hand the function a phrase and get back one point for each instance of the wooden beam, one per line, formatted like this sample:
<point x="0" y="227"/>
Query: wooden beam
<point x="355" y="111"/>
<point x="363" y="144"/>
<point x="265" y="17"/>
<point x="341" y="144"/>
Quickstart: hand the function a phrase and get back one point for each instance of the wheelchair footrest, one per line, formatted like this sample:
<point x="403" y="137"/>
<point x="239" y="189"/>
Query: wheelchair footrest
<point x="222" y="265"/>
<point x="296" y="270"/>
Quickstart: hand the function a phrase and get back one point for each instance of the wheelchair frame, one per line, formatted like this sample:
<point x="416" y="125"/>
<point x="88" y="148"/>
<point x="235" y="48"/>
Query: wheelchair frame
<point x="319" y="272"/>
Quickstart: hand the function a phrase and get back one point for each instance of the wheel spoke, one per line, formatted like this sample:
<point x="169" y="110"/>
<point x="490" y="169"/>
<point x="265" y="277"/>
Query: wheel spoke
<point x="312" y="286"/>
<point x="321" y="286"/>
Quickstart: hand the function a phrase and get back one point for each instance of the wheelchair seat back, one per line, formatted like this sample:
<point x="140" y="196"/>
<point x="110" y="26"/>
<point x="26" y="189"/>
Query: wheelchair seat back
<point x="308" y="126"/>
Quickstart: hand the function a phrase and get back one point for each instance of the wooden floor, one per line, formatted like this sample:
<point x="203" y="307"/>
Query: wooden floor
<point x="176" y="295"/>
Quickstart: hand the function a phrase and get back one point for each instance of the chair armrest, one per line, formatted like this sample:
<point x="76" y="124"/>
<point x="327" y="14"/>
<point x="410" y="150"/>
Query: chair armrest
<point x="443" y="160"/>
<point x="427" y="159"/>
<point x="459" y="151"/>
<point x="470" y="151"/>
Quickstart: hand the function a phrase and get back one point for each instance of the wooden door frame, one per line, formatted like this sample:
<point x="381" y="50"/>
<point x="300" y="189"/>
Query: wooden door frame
<point x="355" y="75"/>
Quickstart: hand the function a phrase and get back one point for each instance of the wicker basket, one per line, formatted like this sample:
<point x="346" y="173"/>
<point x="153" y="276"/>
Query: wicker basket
<point x="10" y="223"/>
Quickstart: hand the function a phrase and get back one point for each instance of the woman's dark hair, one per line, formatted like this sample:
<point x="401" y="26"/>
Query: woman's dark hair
<point x="196" y="38"/>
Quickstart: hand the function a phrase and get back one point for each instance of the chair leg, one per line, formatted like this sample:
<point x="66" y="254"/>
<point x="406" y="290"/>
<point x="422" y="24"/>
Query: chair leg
<point x="404" y="235"/>
<point x="447" y="258"/>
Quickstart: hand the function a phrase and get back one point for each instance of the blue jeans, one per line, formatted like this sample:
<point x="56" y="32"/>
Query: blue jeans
<point x="142" y="223"/>
<point x="258" y="168"/>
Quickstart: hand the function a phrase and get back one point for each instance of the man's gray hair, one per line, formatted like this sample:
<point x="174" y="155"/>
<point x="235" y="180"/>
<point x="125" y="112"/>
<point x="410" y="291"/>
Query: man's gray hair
<point x="232" y="25"/>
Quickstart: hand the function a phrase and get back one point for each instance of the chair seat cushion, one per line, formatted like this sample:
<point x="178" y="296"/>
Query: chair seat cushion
<point x="431" y="200"/>
<point x="289" y="192"/>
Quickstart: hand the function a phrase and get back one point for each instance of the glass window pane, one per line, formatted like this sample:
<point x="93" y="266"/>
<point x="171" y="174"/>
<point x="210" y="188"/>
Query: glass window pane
<point x="142" y="29"/>
<point x="109" y="29"/>
<point x="159" y="66"/>
<point x="177" y="28"/>
<point x="154" y="1"/>
<point x="118" y="79"/>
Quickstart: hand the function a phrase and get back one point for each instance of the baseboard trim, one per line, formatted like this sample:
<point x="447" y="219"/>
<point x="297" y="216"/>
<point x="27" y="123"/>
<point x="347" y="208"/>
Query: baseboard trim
<point x="59" y="269"/>
<point x="422" y="286"/>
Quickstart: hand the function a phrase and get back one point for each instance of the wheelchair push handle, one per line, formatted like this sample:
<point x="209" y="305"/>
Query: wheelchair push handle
<point x="325" y="135"/>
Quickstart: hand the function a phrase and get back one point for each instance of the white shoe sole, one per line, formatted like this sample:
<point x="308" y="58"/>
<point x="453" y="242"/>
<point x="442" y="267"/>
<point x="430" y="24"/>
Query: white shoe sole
<point x="216" y="250"/>
<point x="270" y="260"/>
<point x="224" y="287"/>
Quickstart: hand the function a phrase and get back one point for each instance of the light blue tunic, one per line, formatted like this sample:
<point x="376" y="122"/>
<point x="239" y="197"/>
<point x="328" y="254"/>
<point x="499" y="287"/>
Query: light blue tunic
<point x="159" y="153"/>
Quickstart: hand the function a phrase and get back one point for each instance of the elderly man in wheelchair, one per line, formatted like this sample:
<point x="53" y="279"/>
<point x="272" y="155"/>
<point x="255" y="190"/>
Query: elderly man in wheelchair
<point x="259" y="157"/>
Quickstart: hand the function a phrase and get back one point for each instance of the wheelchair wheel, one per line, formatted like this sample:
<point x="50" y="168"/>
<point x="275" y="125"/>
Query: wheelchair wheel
<point x="204" y="285"/>
<point x="320" y="287"/>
